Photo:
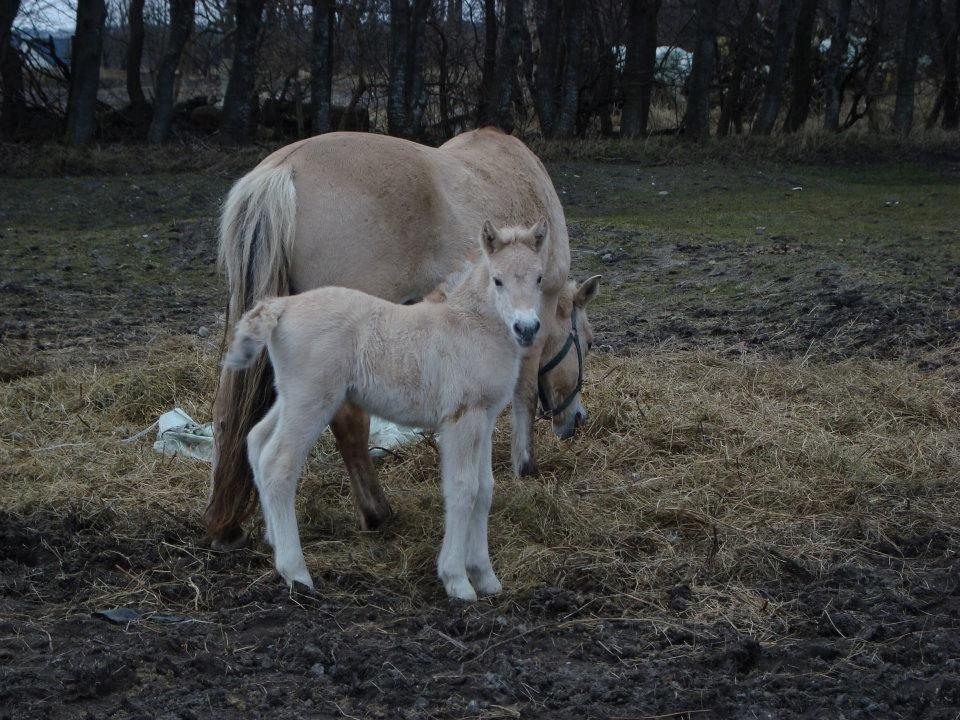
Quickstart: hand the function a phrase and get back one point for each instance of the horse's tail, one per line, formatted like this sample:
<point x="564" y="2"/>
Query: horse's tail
<point x="252" y="332"/>
<point x="257" y="230"/>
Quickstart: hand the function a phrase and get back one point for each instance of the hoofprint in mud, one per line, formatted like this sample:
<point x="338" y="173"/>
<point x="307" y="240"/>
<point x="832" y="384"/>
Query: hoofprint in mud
<point x="450" y="366"/>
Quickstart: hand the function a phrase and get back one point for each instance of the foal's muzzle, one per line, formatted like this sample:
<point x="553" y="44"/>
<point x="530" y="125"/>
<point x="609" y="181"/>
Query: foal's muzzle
<point x="526" y="332"/>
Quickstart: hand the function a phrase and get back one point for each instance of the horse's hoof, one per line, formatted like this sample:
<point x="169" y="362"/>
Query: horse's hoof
<point x="375" y="519"/>
<point x="231" y="541"/>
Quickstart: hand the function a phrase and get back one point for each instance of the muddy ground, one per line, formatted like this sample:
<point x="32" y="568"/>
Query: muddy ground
<point x="858" y="262"/>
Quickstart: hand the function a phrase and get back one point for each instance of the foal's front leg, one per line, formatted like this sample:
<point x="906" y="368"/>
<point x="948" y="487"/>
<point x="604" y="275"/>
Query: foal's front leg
<point x="460" y="446"/>
<point x="479" y="567"/>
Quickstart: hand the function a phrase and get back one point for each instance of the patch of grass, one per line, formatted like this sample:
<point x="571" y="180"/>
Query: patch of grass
<point x="714" y="471"/>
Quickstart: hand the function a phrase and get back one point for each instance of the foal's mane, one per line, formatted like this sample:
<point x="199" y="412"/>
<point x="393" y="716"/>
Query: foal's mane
<point x="454" y="280"/>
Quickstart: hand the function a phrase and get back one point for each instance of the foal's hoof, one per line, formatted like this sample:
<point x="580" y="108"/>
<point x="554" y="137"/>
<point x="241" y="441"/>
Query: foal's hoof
<point x="528" y="468"/>
<point x="295" y="577"/>
<point x="487" y="583"/>
<point x="459" y="588"/>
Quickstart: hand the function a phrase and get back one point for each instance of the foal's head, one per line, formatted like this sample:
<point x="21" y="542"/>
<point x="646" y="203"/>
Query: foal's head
<point x="514" y="257"/>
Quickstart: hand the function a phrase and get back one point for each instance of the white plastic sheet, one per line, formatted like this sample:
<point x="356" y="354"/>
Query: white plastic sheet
<point x="180" y="434"/>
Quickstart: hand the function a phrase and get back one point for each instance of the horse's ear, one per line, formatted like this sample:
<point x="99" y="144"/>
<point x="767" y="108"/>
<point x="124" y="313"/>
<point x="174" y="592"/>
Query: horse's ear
<point x="586" y="291"/>
<point x="489" y="238"/>
<point x="540" y="233"/>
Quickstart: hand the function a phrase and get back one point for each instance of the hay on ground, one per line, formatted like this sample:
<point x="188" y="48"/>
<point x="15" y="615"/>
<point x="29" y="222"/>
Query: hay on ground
<point x="720" y="472"/>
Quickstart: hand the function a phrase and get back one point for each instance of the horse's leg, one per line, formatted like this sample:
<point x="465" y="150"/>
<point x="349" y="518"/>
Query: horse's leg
<point x="524" y="413"/>
<point x="351" y="428"/>
<point x="281" y="456"/>
<point x="479" y="567"/>
<point x="460" y="446"/>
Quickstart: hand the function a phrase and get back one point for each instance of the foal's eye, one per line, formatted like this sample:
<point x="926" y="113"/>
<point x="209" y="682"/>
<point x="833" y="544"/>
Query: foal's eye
<point x="539" y="279"/>
<point x="498" y="282"/>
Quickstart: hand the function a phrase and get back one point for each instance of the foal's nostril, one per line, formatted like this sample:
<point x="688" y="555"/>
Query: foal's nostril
<point x="581" y="417"/>
<point x="518" y="328"/>
<point x="536" y="325"/>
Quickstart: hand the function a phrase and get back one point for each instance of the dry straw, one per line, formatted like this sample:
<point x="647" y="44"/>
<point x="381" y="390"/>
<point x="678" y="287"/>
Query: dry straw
<point x="720" y="472"/>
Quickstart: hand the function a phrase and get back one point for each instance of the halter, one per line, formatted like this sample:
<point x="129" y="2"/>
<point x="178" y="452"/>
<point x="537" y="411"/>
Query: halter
<point x="572" y="340"/>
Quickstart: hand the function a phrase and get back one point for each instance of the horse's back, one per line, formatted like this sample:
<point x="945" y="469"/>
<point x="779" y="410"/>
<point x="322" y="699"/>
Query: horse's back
<point x="392" y="217"/>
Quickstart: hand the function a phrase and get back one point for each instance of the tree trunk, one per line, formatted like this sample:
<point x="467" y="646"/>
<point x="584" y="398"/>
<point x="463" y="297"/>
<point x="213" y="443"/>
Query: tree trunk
<point x="181" y="25"/>
<point x="833" y="80"/>
<point x="11" y="71"/>
<point x="238" y="101"/>
<point x="85" y="71"/>
<point x="416" y="62"/>
<point x="773" y="90"/>
<point x="546" y="86"/>
<point x="321" y="67"/>
<point x="907" y="67"/>
<point x="731" y="112"/>
<point x="511" y="44"/>
<point x="802" y="67"/>
<point x="486" y="107"/>
<point x="696" y="121"/>
<point x="639" y="66"/>
<point x="948" y="99"/>
<point x="396" y="92"/>
<point x="138" y="102"/>
<point x="570" y="89"/>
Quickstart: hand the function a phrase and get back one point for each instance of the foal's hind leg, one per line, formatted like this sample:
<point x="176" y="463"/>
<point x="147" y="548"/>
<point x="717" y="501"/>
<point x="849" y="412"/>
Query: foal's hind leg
<point x="351" y="428"/>
<point x="280" y="463"/>
<point x="460" y="446"/>
<point x="479" y="567"/>
<point x="259" y="435"/>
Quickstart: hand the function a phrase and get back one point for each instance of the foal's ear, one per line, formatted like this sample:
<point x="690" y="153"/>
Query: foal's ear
<point x="540" y="233"/>
<point x="586" y="291"/>
<point x="489" y="238"/>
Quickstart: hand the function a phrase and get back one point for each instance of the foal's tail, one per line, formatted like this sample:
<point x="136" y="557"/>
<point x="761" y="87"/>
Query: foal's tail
<point x="252" y="332"/>
<point x="257" y="231"/>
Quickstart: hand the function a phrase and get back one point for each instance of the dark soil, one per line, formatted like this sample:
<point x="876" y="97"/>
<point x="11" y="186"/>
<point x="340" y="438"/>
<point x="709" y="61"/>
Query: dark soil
<point x="90" y="268"/>
<point x="874" y="637"/>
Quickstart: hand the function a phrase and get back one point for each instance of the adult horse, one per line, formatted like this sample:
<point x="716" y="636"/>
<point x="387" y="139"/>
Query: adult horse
<point x="391" y="218"/>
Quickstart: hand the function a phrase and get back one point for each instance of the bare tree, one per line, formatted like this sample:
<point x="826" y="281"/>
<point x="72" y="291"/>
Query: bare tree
<point x="907" y="66"/>
<point x="511" y="45"/>
<point x="947" y="100"/>
<point x="138" y="102"/>
<point x="744" y="59"/>
<point x="321" y="66"/>
<point x="487" y="101"/>
<point x="639" y="65"/>
<point x="11" y="71"/>
<point x="238" y="101"/>
<point x="801" y="67"/>
<point x="548" y="15"/>
<point x="833" y="79"/>
<point x="406" y="97"/>
<point x="85" y="71"/>
<point x="773" y="90"/>
<point x="570" y="87"/>
<point x="181" y="25"/>
<point x="696" y="120"/>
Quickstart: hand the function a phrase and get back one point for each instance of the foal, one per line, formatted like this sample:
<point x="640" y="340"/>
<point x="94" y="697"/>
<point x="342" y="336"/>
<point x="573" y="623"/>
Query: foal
<point x="449" y="366"/>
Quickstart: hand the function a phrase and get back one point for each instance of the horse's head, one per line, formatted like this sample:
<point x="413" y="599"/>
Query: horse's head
<point x="568" y="341"/>
<point x="514" y="258"/>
